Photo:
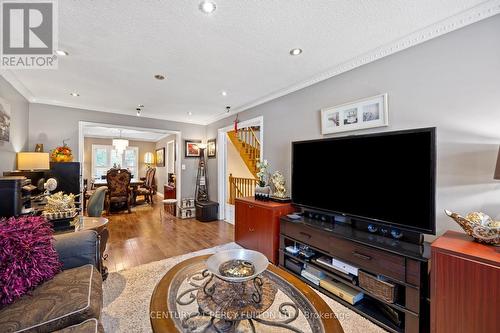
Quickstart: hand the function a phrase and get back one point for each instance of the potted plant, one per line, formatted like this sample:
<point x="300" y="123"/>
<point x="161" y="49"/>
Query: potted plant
<point x="262" y="190"/>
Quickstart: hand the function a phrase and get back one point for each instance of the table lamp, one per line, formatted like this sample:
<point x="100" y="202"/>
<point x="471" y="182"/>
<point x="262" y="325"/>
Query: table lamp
<point x="497" y="169"/>
<point x="32" y="161"/>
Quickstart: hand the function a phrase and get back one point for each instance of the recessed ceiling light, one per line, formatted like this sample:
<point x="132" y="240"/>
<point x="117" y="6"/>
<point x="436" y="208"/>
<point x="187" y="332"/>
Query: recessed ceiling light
<point x="224" y="93"/>
<point x="295" y="52"/>
<point x="207" y="7"/>
<point x="159" y="77"/>
<point x="190" y="113"/>
<point x="62" y="53"/>
<point x="74" y="94"/>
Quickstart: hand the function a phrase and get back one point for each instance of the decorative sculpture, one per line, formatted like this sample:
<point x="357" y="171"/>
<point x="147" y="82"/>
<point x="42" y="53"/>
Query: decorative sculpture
<point x="279" y="193"/>
<point x="278" y="181"/>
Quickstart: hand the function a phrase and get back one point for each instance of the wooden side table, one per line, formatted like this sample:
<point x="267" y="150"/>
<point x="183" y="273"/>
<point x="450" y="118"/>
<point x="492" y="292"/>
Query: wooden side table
<point x="465" y="285"/>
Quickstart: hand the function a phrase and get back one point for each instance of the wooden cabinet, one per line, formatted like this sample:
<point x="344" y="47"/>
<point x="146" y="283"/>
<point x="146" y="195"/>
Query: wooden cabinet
<point x="403" y="265"/>
<point x="257" y="225"/>
<point x="465" y="285"/>
<point x="168" y="192"/>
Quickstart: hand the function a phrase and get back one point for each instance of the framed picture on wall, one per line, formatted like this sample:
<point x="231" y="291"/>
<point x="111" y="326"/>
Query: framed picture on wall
<point x="211" y="148"/>
<point x="4" y="120"/>
<point x="160" y="157"/>
<point x="364" y="113"/>
<point x="191" y="148"/>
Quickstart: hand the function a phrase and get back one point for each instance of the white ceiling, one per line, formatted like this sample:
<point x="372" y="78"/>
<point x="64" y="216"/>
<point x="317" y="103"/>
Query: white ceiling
<point x="100" y="131"/>
<point x="243" y="48"/>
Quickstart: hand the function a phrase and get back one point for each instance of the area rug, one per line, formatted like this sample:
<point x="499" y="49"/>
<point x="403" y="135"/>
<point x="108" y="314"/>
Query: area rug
<point x="127" y="294"/>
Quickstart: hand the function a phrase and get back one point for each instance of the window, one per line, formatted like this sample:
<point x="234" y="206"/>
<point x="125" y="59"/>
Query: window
<point x="104" y="157"/>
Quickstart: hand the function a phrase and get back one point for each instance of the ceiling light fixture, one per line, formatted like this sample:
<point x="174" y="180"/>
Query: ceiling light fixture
<point x="190" y="113"/>
<point x="159" y="77"/>
<point x="138" y="112"/>
<point x="62" y="53"/>
<point x="295" y="52"/>
<point x="224" y="93"/>
<point x="74" y="94"/>
<point x="207" y="7"/>
<point x="120" y="144"/>
<point x="140" y="105"/>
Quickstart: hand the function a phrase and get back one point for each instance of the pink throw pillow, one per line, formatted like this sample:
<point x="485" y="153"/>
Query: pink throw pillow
<point x="27" y="256"/>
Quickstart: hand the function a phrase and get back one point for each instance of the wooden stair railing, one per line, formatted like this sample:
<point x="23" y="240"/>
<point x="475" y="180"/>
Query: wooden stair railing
<point x="241" y="187"/>
<point x="246" y="142"/>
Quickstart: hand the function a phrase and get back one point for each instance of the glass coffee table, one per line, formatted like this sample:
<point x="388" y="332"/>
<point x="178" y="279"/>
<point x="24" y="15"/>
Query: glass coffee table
<point x="184" y="302"/>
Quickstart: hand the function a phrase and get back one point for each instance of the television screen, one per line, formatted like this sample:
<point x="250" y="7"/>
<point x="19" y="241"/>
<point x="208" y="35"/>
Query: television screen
<point x="384" y="177"/>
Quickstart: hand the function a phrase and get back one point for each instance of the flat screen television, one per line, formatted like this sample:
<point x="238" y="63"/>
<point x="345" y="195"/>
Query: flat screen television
<point x="387" y="178"/>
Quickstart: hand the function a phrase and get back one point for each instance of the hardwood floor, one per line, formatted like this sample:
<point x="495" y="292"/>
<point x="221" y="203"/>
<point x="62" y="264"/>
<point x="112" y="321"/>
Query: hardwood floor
<point x="150" y="234"/>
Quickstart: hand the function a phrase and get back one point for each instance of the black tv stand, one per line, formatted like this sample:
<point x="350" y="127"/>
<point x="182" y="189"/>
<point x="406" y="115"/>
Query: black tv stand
<point x="382" y="229"/>
<point x="403" y="263"/>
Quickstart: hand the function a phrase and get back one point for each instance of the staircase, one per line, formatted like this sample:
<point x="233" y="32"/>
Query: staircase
<point x="246" y="142"/>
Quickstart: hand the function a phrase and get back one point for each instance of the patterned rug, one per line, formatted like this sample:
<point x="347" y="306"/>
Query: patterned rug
<point x="127" y="295"/>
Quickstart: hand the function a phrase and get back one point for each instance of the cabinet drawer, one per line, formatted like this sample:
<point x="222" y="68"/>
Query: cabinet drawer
<point x="371" y="259"/>
<point x="307" y="235"/>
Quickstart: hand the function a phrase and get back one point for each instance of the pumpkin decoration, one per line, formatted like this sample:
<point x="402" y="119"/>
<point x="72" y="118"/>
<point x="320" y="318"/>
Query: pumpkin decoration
<point x="62" y="154"/>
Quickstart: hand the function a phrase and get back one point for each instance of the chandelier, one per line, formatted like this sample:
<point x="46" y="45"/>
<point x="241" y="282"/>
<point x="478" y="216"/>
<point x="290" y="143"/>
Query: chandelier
<point x="120" y="144"/>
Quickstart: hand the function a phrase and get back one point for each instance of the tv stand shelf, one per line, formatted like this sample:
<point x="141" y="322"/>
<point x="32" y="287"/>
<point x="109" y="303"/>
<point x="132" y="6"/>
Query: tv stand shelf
<point x="403" y="264"/>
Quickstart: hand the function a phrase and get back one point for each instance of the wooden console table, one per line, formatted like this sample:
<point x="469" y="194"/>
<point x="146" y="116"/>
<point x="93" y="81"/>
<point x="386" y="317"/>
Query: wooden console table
<point x="465" y="280"/>
<point x="257" y="225"/>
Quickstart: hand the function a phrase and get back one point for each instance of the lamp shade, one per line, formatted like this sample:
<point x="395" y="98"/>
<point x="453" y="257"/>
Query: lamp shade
<point x="33" y="161"/>
<point x="149" y="158"/>
<point x="497" y="169"/>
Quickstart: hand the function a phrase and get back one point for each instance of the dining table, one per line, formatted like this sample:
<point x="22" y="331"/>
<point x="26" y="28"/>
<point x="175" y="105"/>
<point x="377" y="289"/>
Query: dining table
<point x="134" y="183"/>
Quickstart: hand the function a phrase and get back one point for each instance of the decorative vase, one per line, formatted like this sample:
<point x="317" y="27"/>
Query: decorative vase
<point x="262" y="192"/>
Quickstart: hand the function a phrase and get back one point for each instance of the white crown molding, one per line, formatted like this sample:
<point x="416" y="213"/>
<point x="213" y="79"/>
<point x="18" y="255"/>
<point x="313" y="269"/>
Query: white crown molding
<point x="10" y="77"/>
<point x="94" y="108"/>
<point x="470" y="16"/>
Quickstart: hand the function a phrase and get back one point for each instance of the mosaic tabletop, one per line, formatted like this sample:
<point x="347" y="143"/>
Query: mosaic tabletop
<point x="190" y="299"/>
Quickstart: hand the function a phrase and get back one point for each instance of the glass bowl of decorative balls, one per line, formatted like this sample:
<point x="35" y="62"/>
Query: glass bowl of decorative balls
<point x="479" y="226"/>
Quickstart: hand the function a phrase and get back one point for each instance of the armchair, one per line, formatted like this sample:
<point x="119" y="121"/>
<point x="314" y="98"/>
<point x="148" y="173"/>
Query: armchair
<point x="88" y="190"/>
<point x="119" y="187"/>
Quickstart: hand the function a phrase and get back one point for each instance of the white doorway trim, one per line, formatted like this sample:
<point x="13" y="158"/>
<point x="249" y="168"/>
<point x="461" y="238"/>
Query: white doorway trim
<point x="222" y="159"/>
<point x="178" y="136"/>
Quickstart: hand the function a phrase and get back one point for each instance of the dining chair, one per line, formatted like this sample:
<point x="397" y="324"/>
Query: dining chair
<point x="119" y="187"/>
<point x="148" y="189"/>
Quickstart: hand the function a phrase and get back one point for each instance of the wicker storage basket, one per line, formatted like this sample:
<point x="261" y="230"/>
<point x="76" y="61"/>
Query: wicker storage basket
<point x="379" y="288"/>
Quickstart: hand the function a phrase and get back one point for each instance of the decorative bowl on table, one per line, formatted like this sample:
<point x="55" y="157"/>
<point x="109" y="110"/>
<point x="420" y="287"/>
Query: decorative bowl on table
<point x="479" y="226"/>
<point x="237" y="265"/>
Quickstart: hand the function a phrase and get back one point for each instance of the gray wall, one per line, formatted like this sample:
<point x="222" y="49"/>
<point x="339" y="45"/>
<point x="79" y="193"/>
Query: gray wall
<point x="18" y="126"/>
<point x="452" y="82"/>
<point x="161" y="172"/>
<point x="51" y="124"/>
